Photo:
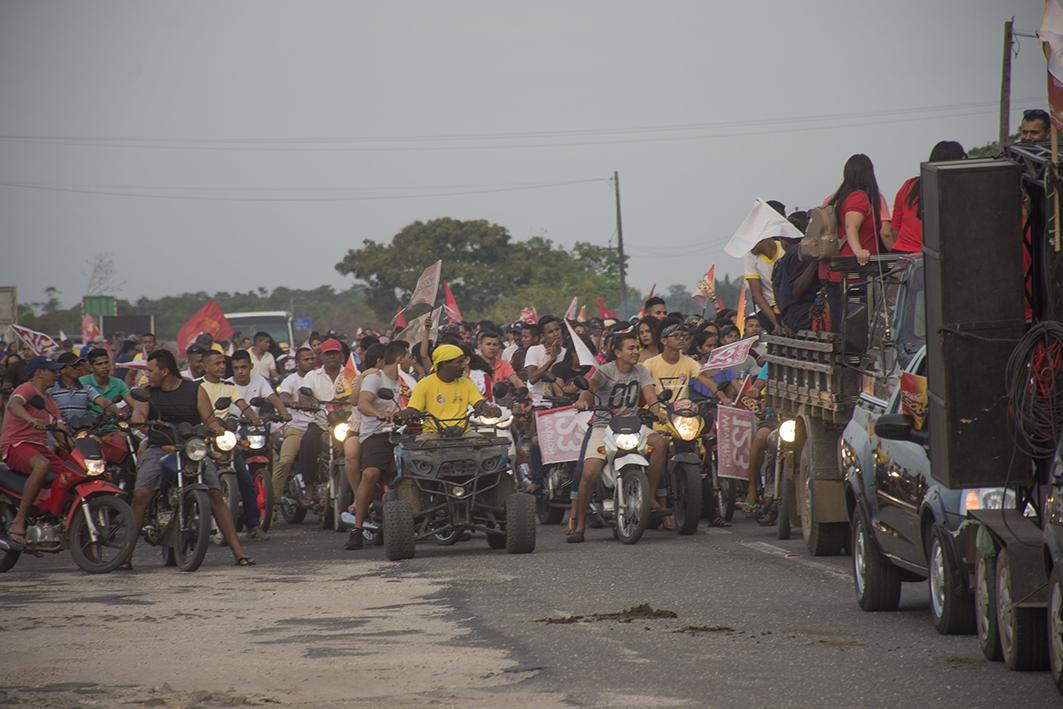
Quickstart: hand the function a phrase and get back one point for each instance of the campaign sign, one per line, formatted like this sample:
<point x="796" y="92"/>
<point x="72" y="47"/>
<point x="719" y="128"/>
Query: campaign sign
<point x="729" y="355"/>
<point x="734" y="441"/>
<point x="561" y="433"/>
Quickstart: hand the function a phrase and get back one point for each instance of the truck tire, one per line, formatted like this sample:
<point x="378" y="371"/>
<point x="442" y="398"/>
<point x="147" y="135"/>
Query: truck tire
<point x="1055" y="630"/>
<point x="520" y="523"/>
<point x="687" y="495"/>
<point x="951" y="604"/>
<point x="876" y="580"/>
<point x="1023" y="631"/>
<point x="786" y="500"/>
<point x="821" y="538"/>
<point x="398" y="530"/>
<point x="985" y="607"/>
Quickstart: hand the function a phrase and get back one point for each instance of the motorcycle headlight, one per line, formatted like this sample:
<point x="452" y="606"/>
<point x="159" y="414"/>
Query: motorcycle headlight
<point x="226" y="441"/>
<point x="196" y="449"/>
<point x="687" y="427"/>
<point x="95" y="467"/>
<point x="256" y="441"/>
<point x="340" y="431"/>
<point x="627" y="441"/>
<point x="788" y="431"/>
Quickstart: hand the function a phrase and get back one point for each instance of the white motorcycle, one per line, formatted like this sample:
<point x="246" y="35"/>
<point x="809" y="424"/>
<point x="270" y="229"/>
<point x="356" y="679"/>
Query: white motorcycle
<point x="625" y="502"/>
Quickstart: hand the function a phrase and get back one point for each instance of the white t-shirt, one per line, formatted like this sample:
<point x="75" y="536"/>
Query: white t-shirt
<point x="509" y="351"/>
<point x="262" y="366"/>
<point x="535" y="357"/>
<point x="375" y="382"/>
<point x="759" y="268"/>
<point x="323" y="390"/>
<point x="258" y="386"/>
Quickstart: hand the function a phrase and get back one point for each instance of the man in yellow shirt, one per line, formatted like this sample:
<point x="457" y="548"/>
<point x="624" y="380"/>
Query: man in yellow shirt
<point x="447" y="393"/>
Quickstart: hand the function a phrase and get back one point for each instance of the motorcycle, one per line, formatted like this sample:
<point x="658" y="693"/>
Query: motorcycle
<point x="459" y="480"/>
<point x="774" y="509"/>
<point x="553" y="500"/>
<point x="685" y="424"/>
<point x="257" y="452"/>
<point x="178" y="518"/>
<point x="324" y="491"/>
<point x="76" y="509"/>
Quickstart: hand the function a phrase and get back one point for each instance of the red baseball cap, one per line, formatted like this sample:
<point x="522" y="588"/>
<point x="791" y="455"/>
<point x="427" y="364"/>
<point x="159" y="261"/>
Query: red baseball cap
<point x="331" y="345"/>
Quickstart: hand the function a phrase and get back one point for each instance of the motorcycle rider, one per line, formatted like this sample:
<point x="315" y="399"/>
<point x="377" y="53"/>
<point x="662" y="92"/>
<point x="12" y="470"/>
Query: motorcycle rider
<point x="176" y="400"/>
<point x="262" y="362"/>
<point x="112" y="389"/>
<point x="24" y="441"/>
<point x="136" y="377"/>
<point x="329" y="384"/>
<point x="194" y="356"/>
<point x="303" y="415"/>
<point x="69" y="393"/>
<point x="377" y="454"/>
<point x="490" y="344"/>
<point x="617" y="386"/>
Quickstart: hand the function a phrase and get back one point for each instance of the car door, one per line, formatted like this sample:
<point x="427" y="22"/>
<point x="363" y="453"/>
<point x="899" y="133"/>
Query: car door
<point x="900" y="485"/>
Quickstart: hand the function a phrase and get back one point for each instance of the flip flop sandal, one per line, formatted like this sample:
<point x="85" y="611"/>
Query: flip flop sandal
<point x="18" y="539"/>
<point x="245" y="561"/>
<point x="719" y="522"/>
<point x="574" y="538"/>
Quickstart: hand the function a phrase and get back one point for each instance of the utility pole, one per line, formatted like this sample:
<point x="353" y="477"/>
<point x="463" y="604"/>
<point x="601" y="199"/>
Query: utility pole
<point x="620" y="246"/>
<point x="1005" y="85"/>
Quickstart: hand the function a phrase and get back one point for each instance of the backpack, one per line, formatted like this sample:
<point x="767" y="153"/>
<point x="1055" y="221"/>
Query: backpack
<point x="821" y="235"/>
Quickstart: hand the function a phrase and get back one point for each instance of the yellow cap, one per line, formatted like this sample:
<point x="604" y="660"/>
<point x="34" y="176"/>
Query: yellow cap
<point x="445" y="353"/>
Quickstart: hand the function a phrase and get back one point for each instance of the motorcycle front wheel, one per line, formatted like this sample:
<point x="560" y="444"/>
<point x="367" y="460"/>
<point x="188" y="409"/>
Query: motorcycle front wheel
<point x="115" y="536"/>
<point x="263" y="495"/>
<point x="292" y="509"/>
<point x="193" y="530"/>
<point x="633" y="516"/>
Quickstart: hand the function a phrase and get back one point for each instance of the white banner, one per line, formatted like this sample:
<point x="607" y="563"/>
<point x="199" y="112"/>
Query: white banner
<point x="561" y="433"/>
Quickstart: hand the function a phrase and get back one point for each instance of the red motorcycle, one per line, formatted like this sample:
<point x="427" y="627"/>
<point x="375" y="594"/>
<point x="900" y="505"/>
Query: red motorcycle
<point x="77" y="509"/>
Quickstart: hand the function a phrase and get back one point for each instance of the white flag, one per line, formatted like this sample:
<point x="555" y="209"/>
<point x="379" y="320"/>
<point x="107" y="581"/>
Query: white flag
<point x="427" y="286"/>
<point x="763" y="222"/>
<point x="586" y="359"/>
<point x="573" y="308"/>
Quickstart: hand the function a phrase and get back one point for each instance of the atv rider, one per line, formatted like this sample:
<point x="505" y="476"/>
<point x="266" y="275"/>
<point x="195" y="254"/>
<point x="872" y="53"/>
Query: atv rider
<point x="447" y="393"/>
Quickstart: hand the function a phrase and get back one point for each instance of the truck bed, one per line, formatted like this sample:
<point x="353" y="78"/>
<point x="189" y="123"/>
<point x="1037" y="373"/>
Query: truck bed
<point x="807" y="370"/>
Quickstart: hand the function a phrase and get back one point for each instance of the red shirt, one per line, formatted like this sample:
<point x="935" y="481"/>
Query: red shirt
<point x="856" y="202"/>
<point x="16" y="431"/>
<point x="503" y="370"/>
<point x="906" y="220"/>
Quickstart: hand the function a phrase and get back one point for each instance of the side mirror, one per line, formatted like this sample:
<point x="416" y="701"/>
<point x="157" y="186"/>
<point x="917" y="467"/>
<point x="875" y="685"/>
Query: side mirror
<point x="581" y="383"/>
<point x="664" y="395"/>
<point x="37" y="401"/>
<point x="257" y="401"/>
<point x="385" y="394"/>
<point x="140" y="395"/>
<point x="306" y="391"/>
<point x="899" y="427"/>
<point x="501" y="390"/>
<point x="548" y="377"/>
<point x="222" y="403"/>
<point x="184" y="429"/>
<point x="522" y="392"/>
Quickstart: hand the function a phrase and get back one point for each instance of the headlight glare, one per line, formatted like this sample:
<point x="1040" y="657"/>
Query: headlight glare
<point x="256" y="441"/>
<point x="340" y="431"/>
<point x="196" y="449"/>
<point x="687" y="427"/>
<point x="95" y="467"/>
<point x="788" y="431"/>
<point x="627" y="441"/>
<point x="226" y="441"/>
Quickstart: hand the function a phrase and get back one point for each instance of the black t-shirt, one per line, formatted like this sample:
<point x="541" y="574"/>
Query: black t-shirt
<point x="177" y="406"/>
<point x="795" y="311"/>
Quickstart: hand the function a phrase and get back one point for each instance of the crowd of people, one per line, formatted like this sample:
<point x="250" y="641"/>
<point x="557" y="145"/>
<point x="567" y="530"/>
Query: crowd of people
<point x="446" y="372"/>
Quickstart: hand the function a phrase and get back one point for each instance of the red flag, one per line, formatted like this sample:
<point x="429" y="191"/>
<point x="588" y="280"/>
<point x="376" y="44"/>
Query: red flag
<point x="582" y="317"/>
<point x="89" y="331"/>
<point x="529" y="315"/>
<point x="40" y="343"/>
<point x="642" y="310"/>
<point x="451" y="305"/>
<point x="350" y="370"/>
<point x="720" y="305"/>
<point x="427" y="286"/>
<point x="604" y="312"/>
<point x="399" y="321"/>
<point x="209" y="319"/>
<point x="706" y="290"/>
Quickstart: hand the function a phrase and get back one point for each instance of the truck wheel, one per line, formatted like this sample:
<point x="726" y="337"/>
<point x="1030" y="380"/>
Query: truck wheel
<point x="985" y="607"/>
<point x="398" y="530"/>
<point x="786" y="499"/>
<point x="951" y="605"/>
<point x="546" y="513"/>
<point x="877" y="581"/>
<point x="1055" y="630"/>
<point x="687" y="499"/>
<point x="520" y="523"/>
<point x="1023" y="632"/>
<point x="822" y="539"/>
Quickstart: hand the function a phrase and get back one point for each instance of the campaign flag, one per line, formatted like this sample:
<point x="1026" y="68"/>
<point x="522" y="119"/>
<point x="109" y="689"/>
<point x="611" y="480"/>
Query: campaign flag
<point x="642" y="310"/>
<point x="604" y="312"/>
<point x="399" y="321"/>
<point x="720" y="305"/>
<point x="582" y="317"/>
<point x="734" y="441"/>
<point x="740" y="317"/>
<point x="706" y="289"/>
<point x="412" y="333"/>
<point x="451" y="307"/>
<point x="89" y="330"/>
<point x="570" y="314"/>
<point x="586" y="359"/>
<point x="561" y="433"/>
<point x="529" y="315"/>
<point x="729" y="355"/>
<point x="40" y="343"/>
<point x="209" y="319"/>
<point x="427" y="286"/>
<point x="914" y="398"/>
<point x="762" y="222"/>
<point x="350" y="369"/>
<point x="1051" y="35"/>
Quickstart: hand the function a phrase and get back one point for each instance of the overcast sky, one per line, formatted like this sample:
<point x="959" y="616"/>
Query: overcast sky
<point x="276" y="135"/>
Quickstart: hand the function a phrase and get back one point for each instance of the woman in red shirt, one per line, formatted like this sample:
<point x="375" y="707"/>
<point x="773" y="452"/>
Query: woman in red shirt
<point x="856" y="202"/>
<point x="906" y="231"/>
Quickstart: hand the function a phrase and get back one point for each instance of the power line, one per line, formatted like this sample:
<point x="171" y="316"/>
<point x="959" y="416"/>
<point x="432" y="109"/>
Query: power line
<point x="211" y="198"/>
<point x="833" y="121"/>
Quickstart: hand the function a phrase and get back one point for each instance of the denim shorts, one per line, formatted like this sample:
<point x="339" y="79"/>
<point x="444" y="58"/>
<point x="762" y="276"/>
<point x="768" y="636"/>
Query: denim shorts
<point x="150" y="472"/>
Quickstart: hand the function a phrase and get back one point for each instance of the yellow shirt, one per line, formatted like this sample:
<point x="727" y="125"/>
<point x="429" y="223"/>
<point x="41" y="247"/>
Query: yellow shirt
<point x="673" y="376"/>
<point x="217" y="391"/>
<point x="444" y="400"/>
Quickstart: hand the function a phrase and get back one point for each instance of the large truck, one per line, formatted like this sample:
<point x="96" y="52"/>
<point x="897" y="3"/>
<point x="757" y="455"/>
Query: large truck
<point x="278" y="323"/>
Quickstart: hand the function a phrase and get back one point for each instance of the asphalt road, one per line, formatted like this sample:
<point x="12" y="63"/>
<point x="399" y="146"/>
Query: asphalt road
<point x="756" y="622"/>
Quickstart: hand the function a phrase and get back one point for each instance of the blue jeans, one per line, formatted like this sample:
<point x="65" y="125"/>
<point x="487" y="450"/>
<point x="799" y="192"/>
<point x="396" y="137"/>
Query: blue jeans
<point x="577" y="474"/>
<point x="248" y="493"/>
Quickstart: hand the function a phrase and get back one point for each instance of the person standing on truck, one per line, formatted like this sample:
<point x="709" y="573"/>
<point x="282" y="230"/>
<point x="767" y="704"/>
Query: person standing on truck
<point x="758" y="263"/>
<point x="857" y="203"/>
<point x="906" y="229"/>
<point x="1035" y="126"/>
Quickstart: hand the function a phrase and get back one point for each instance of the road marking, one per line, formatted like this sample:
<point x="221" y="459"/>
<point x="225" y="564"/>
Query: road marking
<point x="773" y="550"/>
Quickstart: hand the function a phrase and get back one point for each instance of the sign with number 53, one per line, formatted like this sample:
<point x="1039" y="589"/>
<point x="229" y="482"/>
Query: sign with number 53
<point x="561" y="433"/>
<point x="734" y="441"/>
